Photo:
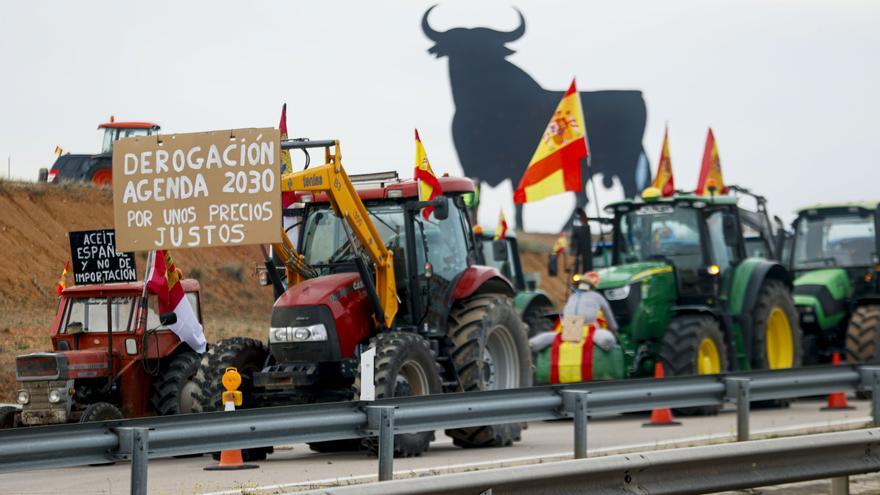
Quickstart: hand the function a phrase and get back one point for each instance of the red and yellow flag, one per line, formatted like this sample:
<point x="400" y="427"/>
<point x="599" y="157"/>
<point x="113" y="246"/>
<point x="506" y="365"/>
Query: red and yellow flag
<point x="664" y="180"/>
<point x="501" y="228"/>
<point x="62" y="282"/>
<point x="429" y="186"/>
<point x="710" y="170"/>
<point x="286" y="165"/>
<point x="556" y="165"/>
<point x="561" y="244"/>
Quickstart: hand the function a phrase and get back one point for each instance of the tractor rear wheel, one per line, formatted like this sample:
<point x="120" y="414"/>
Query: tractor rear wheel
<point x="405" y="365"/>
<point x="490" y="352"/>
<point x="7" y="416"/>
<point x="173" y="389"/>
<point x="777" y="343"/>
<point x="862" y="334"/>
<point x="694" y="345"/>
<point x="245" y="354"/>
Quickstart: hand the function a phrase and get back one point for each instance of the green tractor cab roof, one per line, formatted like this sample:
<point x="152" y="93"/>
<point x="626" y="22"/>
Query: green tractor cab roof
<point x="677" y="199"/>
<point x="831" y="208"/>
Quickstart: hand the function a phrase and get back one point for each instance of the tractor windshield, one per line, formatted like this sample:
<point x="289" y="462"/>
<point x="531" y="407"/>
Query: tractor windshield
<point x="659" y="233"/>
<point x="89" y="314"/>
<point x="845" y="240"/>
<point x="325" y="241"/>
<point x="113" y="134"/>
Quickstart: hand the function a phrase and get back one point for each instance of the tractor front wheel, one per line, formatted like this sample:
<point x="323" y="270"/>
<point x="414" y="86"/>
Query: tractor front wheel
<point x="245" y="354"/>
<point x="862" y="334"/>
<point x="694" y="345"/>
<point x="490" y="352"/>
<point x="777" y="343"/>
<point x="405" y="365"/>
<point x="7" y="416"/>
<point x="100" y="411"/>
<point x="173" y="389"/>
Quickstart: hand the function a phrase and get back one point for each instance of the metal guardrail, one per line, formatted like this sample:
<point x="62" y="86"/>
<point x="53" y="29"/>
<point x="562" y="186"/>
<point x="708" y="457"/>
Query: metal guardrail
<point x="139" y="439"/>
<point x="689" y="470"/>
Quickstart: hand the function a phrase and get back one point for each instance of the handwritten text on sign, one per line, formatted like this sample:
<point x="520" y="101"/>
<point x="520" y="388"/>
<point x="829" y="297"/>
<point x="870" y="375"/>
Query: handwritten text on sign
<point x="96" y="261"/>
<point x="197" y="190"/>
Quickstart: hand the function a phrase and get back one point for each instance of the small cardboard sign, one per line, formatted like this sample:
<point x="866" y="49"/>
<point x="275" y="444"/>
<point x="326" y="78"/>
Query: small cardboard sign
<point x="96" y="261"/>
<point x="219" y="188"/>
<point x="572" y="328"/>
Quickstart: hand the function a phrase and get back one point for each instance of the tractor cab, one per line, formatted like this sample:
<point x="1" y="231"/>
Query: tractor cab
<point x="686" y="290"/>
<point x="114" y="131"/>
<point x="834" y="257"/>
<point x="103" y="354"/>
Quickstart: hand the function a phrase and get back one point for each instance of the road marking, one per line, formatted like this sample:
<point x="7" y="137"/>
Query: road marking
<point x="806" y="428"/>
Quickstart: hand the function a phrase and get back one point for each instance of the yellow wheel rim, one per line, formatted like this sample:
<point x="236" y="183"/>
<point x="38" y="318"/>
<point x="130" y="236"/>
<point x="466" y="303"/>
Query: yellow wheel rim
<point x="708" y="361"/>
<point x="780" y="351"/>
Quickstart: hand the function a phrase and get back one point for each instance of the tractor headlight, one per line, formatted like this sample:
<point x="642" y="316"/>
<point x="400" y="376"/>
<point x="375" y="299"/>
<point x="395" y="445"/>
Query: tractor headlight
<point x="311" y="333"/>
<point x="54" y="396"/>
<point x="23" y="397"/>
<point x="617" y="294"/>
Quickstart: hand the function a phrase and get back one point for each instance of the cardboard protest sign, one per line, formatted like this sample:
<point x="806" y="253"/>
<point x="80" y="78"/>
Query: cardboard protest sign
<point x="96" y="261"/>
<point x="202" y="189"/>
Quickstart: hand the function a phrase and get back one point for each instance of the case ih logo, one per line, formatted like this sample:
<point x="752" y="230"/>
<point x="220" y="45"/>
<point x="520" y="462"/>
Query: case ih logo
<point x="313" y="181"/>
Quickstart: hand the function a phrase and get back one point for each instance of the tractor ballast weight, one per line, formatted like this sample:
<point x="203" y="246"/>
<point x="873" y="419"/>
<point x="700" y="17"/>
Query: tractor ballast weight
<point x="368" y="270"/>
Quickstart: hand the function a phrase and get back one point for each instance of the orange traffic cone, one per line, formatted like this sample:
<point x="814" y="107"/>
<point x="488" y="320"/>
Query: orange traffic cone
<point x="661" y="416"/>
<point x="836" y="400"/>
<point x="231" y="460"/>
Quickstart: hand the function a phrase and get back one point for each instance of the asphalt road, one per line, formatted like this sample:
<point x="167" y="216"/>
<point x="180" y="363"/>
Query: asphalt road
<point x="295" y="467"/>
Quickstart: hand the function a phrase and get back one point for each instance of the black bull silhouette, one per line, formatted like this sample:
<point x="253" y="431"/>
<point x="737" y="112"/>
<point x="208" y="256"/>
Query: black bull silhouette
<point x="501" y="113"/>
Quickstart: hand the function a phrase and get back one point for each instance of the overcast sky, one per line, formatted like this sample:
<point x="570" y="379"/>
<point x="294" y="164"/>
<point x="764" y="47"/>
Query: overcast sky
<point x="790" y="87"/>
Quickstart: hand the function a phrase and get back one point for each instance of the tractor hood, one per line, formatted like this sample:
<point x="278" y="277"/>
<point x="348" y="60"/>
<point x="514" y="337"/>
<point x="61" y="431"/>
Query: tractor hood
<point x="62" y="365"/>
<point x="320" y="290"/>
<point x="621" y="275"/>
<point x="834" y="280"/>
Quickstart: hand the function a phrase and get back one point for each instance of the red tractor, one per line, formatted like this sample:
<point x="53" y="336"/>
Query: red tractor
<point x="130" y="368"/>
<point x="373" y="271"/>
<point x="96" y="168"/>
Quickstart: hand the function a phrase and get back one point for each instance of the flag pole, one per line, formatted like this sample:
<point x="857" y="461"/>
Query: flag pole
<point x="151" y="258"/>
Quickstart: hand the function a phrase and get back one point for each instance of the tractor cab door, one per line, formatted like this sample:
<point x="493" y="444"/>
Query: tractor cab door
<point x="724" y="248"/>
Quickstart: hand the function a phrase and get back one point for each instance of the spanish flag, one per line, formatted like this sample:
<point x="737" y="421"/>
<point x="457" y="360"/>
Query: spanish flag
<point x="556" y="165"/>
<point x="664" y="181"/>
<point x="62" y="282"/>
<point x="429" y="186"/>
<point x="710" y="170"/>
<point x="568" y="361"/>
<point x="164" y="281"/>
<point x="501" y="228"/>
<point x="286" y="165"/>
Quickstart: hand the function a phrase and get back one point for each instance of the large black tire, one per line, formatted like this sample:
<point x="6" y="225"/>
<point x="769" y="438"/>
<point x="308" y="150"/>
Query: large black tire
<point x="100" y="411"/>
<point x="7" y="416"/>
<point x="245" y="354"/>
<point x="405" y="365"/>
<point x="490" y="351"/>
<point x="775" y="296"/>
<point x="536" y="321"/>
<point x="174" y="387"/>
<point x="680" y="349"/>
<point x="862" y="334"/>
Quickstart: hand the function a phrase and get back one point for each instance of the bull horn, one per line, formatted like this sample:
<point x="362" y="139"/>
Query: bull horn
<point x="426" y="28"/>
<point x="519" y="31"/>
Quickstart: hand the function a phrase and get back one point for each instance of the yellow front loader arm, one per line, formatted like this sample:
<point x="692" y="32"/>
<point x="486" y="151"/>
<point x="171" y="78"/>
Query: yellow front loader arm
<point x="331" y="179"/>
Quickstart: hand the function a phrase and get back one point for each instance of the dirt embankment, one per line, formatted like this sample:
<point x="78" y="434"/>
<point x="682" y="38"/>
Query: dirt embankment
<point x="34" y="221"/>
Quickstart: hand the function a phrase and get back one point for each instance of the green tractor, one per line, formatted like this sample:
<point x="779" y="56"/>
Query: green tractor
<point x="533" y="304"/>
<point x="835" y="262"/>
<point x="687" y="291"/>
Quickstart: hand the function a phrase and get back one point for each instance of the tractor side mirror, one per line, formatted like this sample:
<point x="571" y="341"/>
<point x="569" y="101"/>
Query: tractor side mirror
<point x="730" y="231"/>
<point x="74" y="328"/>
<point x="441" y="208"/>
<point x="168" y="318"/>
<point x="499" y="251"/>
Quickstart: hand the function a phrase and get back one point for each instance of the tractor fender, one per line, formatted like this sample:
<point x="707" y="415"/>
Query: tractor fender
<point x="762" y="271"/>
<point x="480" y="279"/>
<point x="527" y="301"/>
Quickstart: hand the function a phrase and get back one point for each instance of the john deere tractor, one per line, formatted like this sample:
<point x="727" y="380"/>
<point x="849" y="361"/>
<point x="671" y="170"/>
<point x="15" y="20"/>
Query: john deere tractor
<point x="837" y="292"/>
<point x="686" y="293"/>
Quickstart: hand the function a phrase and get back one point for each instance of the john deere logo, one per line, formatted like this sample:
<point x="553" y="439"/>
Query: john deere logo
<point x="313" y="181"/>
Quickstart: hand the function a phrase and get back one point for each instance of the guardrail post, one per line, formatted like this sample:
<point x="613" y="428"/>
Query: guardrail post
<point x="738" y="389"/>
<point x="840" y="486"/>
<point x="381" y="418"/>
<point x="134" y="444"/>
<point x="871" y="380"/>
<point x="575" y="403"/>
